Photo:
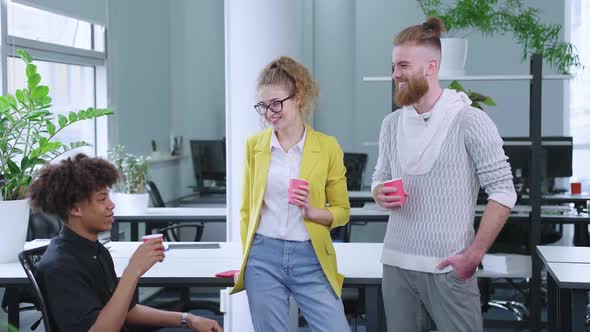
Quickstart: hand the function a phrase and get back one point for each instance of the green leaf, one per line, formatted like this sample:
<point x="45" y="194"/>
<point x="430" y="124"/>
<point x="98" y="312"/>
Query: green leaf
<point x="36" y="115"/>
<point x="489" y="101"/>
<point x="24" y="163"/>
<point x="50" y="147"/>
<point x="62" y="121"/>
<point x="73" y="117"/>
<point x="12" y="167"/>
<point x="455" y="85"/>
<point x="24" y="55"/>
<point x="4" y="105"/>
<point x="31" y="70"/>
<point x="20" y="96"/>
<point x="16" y="151"/>
<point x="33" y="81"/>
<point x="39" y="91"/>
<point x="79" y="144"/>
<point x="12" y="102"/>
<point x="45" y="100"/>
<point x="50" y="127"/>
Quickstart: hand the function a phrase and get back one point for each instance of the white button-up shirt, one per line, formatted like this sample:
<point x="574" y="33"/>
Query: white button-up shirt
<point x="278" y="218"/>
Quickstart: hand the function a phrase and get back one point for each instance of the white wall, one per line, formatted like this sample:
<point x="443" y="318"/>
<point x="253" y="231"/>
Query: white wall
<point x="139" y="73"/>
<point x="361" y="42"/>
<point x="166" y="77"/>
<point x="197" y="81"/>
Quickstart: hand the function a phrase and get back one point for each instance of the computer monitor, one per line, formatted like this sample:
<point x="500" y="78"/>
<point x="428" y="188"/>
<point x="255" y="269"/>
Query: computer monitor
<point x="556" y="159"/>
<point x="209" y="164"/>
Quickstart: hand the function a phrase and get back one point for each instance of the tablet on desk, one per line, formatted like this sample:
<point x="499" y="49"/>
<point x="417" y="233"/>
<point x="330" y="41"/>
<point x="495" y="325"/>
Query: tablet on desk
<point x="173" y="246"/>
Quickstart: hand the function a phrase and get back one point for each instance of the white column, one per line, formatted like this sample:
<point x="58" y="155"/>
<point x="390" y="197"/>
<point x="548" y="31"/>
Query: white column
<point x="256" y="31"/>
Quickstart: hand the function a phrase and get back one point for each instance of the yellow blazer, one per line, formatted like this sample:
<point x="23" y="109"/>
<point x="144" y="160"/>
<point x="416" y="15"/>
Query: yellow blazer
<point x="322" y="166"/>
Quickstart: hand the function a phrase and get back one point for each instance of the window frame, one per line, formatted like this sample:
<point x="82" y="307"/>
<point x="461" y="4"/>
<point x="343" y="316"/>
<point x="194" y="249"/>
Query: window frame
<point x="56" y="53"/>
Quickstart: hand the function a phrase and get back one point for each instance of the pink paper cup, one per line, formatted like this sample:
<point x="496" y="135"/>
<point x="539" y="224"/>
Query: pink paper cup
<point x="294" y="185"/>
<point x="146" y="238"/>
<point x="398" y="184"/>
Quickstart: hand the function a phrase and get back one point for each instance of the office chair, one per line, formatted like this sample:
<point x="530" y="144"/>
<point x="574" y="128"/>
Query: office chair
<point x="41" y="226"/>
<point x="513" y="239"/>
<point x="355" y="164"/>
<point x="171" y="231"/>
<point x="172" y="234"/>
<point x="28" y="259"/>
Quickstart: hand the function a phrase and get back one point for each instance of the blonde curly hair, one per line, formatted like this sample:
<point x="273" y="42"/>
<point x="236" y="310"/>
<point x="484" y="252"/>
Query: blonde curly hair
<point x="296" y="78"/>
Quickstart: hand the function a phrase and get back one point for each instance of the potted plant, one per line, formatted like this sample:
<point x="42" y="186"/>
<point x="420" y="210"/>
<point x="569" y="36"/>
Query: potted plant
<point x="27" y="140"/>
<point x="129" y="193"/>
<point x="492" y="17"/>
<point x="476" y="98"/>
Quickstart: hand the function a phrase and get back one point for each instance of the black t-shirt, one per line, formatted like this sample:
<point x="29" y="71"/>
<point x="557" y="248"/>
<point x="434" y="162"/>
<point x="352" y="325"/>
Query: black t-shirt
<point x="79" y="278"/>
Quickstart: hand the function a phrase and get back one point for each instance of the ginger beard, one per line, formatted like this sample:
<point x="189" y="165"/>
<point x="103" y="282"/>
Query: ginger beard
<point x="408" y="91"/>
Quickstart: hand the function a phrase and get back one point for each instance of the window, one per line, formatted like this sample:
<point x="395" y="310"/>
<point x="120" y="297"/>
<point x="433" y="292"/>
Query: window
<point x="579" y="108"/>
<point x="35" y="24"/>
<point x="69" y="54"/>
<point x="71" y="88"/>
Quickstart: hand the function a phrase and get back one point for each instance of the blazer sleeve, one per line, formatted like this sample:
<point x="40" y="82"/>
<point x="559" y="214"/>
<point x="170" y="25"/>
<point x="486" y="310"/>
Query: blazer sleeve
<point x="245" y="208"/>
<point x="336" y="191"/>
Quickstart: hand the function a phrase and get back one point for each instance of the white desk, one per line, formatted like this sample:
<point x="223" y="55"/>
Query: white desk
<point x="359" y="262"/>
<point x="160" y="215"/>
<point x="568" y="280"/>
<point x="563" y="254"/>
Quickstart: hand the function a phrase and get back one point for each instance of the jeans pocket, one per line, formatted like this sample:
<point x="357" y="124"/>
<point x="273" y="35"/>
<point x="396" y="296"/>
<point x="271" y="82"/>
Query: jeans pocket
<point x="257" y="240"/>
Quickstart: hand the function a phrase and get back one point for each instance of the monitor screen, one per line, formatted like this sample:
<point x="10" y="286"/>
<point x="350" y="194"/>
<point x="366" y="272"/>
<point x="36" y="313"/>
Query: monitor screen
<point x="556" y="156"/>
<point x="208" y="161"/>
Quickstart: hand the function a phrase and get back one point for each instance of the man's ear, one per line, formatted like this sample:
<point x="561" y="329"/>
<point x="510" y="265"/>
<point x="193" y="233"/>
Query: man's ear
<point x="76" y="210"/>
<point x="432" y="67"/>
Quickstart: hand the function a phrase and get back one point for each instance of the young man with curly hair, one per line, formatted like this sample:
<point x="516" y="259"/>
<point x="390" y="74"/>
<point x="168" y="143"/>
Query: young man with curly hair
<point x="77" y="271"/>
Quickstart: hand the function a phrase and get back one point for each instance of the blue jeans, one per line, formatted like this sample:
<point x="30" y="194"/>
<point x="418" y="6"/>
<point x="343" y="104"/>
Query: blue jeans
<point x="276" y="269"/>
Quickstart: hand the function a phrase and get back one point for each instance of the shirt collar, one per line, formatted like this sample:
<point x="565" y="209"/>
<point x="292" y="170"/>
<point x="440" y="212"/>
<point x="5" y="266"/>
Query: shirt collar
<point x="81" y="243"/>
<point x="274" y="141"/>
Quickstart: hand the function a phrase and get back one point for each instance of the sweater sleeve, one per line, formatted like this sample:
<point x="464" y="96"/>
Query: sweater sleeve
<point x="484" y="145"/>
<point x="382" y="171"/>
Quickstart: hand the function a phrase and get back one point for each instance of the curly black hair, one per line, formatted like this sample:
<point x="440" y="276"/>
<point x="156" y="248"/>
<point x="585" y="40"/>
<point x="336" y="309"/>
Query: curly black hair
<point x="57" y="187"/>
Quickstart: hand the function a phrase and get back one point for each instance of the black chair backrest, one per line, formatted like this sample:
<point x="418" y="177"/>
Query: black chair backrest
<point x="43" y="226"/>
<point x="355" y="164"/>
<point x="154" y="193"/>
<point x="28" y="259"/>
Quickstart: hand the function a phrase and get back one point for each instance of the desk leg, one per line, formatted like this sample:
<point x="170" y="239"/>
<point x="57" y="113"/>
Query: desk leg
<point x="115" y="231"/>
<point x="134" y="231"/>
<point x="581" y="236"/>
<point x="374" y="308"/>
<point x="552" y="304"/>
<point x="579" y="302"/>
<point x="565" y="309"/>
<point x="13" y="307"/>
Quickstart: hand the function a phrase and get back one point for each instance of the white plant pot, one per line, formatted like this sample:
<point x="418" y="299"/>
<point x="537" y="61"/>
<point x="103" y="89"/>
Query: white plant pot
<point x="129" y="203"/>
<point x="453" y="56"/>
<point x="15" y="222"/>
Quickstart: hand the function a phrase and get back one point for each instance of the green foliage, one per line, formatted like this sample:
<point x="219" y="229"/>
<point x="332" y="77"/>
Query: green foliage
<point x="476" y="98"/>
<point x="132" y="169"/>
<point x="7" y="327"/>
<point x="28" y="130"/>
<point x="507" y="16"/>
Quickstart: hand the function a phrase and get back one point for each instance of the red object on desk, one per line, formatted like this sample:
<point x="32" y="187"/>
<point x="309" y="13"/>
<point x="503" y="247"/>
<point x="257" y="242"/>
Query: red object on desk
<point x="576" y="188"/>
<point x="227" y="274"/>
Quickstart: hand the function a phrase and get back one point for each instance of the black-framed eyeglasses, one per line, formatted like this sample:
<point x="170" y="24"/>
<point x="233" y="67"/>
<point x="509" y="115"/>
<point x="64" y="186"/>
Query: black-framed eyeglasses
<point x="274" y="106"/>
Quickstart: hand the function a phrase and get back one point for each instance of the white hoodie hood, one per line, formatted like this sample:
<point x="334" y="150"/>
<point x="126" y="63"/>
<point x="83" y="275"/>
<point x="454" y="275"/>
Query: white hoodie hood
<point x="419" y="142"/>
